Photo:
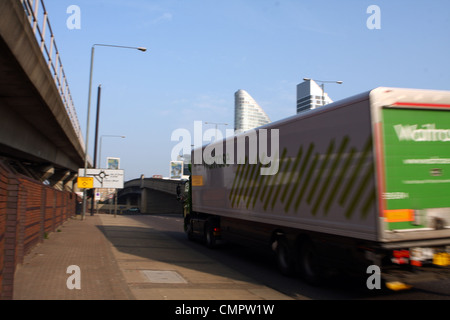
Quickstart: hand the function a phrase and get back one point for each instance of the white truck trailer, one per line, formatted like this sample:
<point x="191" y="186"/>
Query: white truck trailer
<point x="359" y="182"/>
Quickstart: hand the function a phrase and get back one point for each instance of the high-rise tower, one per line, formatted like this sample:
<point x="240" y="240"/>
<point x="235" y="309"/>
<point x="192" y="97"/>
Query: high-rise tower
<point x="310" y="96"/>
<point x="247" y="113"/>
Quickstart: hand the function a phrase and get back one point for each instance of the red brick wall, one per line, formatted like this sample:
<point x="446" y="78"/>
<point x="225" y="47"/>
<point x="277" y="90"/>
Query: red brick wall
<point x="8" y="228"/>
<point x="3" y="196"/>
<point x="28" y="211"/>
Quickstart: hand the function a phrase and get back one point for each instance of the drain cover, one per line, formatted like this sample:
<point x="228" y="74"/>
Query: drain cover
<point x="160" y="276"/>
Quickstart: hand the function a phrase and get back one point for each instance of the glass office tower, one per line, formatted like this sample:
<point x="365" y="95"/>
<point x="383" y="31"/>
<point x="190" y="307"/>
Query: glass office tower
<point x="247" y="113"/>
<point x="311" y="96"/>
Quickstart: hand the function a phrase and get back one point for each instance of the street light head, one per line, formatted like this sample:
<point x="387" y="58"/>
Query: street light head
<point x="223" y="124"/>
<point x="306" y="79"/>
<point x="339" y="82"/>
<point x="142" y="49"/>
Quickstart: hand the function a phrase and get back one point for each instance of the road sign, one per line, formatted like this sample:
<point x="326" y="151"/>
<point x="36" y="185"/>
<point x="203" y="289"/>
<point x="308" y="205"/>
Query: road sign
<point x="85" y="182"/>
<point x="176" y="169"/>
<point x="104" y="178"/>
<point x="113" y="163"/>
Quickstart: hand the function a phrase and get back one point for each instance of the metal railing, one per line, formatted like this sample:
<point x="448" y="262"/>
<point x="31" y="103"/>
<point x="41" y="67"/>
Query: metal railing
<point x="38" y="17"/>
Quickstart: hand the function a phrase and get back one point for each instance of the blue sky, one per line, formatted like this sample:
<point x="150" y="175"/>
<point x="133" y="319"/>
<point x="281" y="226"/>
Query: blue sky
<point x="200" y="52"/>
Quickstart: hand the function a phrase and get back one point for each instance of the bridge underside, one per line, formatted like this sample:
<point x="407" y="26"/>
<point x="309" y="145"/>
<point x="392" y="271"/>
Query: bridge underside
<point x="36" y="135"/>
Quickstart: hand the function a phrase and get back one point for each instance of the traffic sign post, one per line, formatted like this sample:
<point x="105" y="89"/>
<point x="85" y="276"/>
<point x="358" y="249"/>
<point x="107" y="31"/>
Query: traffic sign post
<point x="85" y="182"/>
<point x="104" y="178"/>
<point x="100" y="178"/>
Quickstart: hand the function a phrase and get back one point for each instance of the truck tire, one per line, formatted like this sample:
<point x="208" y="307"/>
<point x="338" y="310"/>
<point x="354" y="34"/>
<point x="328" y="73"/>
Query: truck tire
<point x="210" y="239"/>
<point x="284" y="258"/>
<point x="189" y="231"/>
<point x="310" y="269"/>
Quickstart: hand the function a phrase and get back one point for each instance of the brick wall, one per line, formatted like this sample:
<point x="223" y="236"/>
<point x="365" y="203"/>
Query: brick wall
<point x="8" y="204"/>
<point x="3" y="196"/>
<point x="28" y="211"/>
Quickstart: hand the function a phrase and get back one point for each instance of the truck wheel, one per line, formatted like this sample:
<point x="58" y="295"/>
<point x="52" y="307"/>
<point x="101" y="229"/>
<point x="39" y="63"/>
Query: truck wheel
<point x="285" y="261"/>
<point x="309" y="266"/>
<point x="210" y="239"/>
<point x="189" y="232"/>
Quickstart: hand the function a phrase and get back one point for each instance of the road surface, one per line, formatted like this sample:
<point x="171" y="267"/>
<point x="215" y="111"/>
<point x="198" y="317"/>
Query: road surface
<point x="261" y="267"/>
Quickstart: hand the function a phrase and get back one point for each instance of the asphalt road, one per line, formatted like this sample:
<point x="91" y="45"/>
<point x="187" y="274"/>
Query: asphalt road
<point x="261" y="267"/>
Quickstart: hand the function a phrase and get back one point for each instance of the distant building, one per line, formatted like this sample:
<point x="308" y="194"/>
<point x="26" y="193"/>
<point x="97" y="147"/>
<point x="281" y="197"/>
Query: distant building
<point x="186" y="158"/>
<point x="310" y="96"/>
<point x="247" y="113"/>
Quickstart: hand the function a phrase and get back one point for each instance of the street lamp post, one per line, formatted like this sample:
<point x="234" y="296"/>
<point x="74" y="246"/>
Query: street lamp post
<point x="89" y="112"/>
<point x="323" y="86"/>
<point x="216" y="124"/>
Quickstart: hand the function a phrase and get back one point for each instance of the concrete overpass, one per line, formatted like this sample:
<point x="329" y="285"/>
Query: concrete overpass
<point x="152" y="195"/>
<point x="39" y="131"/>
<point x="41" y="146"/>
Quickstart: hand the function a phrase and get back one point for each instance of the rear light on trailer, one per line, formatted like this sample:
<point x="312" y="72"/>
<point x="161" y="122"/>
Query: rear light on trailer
<point x="401" y="253"/>
<point x="441" y="259"/>
<point x="416" y="263"/>
<point x="435" y="256"/>
<point x="400" y="256"/>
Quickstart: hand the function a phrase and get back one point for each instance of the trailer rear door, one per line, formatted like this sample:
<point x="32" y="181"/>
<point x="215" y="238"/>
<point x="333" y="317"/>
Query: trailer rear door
<point x="416" y="156"/>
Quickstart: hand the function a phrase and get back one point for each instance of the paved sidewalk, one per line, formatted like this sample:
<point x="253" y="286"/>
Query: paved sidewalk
<point x="121" y="258"/>
<point x="43" y="275"/>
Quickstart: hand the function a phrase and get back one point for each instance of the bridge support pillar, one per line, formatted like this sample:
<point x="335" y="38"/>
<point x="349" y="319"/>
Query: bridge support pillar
<point x="58" y="179"/>
<point x="144" y="200"/>
<point x="70" y="181"/>
<point x="47" y="172"/>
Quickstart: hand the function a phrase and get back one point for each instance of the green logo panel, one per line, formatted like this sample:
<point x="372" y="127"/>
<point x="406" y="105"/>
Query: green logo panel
<point x="417" y="160"/>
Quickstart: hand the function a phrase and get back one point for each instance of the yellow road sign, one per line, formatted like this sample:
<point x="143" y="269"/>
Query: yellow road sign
<point x="85" y="182"/>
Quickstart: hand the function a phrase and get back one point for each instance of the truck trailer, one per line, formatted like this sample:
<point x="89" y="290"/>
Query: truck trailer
<point x="360" y="182"/>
